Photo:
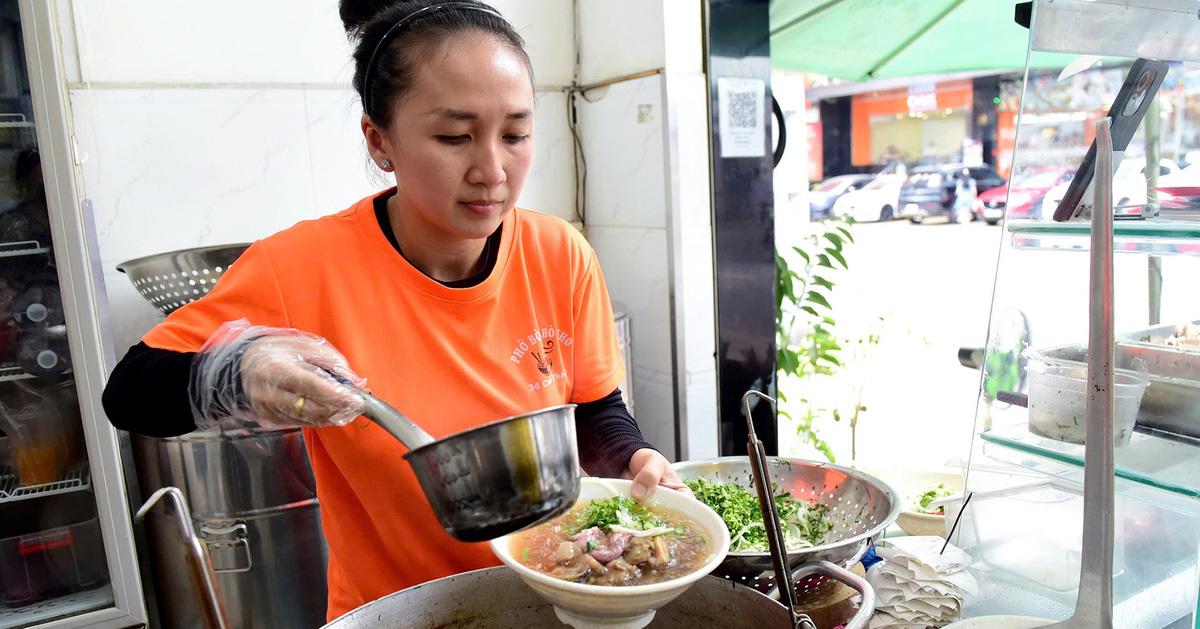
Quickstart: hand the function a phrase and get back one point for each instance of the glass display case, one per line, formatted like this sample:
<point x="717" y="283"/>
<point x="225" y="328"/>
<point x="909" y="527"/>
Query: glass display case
<point x="66" y="547"/>
<point x="1024" y="520"/>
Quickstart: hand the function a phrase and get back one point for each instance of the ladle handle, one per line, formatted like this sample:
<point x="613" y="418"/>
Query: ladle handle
<point x="388" y="418"/>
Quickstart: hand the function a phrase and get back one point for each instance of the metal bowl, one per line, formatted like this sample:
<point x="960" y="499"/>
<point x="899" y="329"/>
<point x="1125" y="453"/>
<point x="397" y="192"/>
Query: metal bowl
<point x="860" y="508"/>
<point x="170" y="280"/>
<point x="498" y="599"/>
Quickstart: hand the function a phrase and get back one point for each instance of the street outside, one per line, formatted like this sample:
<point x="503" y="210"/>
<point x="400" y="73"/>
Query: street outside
<point x="932" y="285"/>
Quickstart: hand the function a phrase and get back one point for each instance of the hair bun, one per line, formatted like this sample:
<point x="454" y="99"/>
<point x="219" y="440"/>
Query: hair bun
<point x="356" y="13"/>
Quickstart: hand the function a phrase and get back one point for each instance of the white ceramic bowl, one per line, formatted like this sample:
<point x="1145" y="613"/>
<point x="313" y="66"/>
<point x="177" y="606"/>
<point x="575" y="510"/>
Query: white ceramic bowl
<point x="911" y="485"/>
<point x="628" y="607"/>
<point x="1058" y="399"/>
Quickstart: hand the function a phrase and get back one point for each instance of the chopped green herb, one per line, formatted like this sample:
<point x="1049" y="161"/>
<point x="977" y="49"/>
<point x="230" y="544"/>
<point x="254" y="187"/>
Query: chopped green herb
<point x="592" y="545"/>
<point x="617" y="511"/>
<point x="525" y="555"/>
<point x="804" y="525"/>
<point x="933" y="494"/>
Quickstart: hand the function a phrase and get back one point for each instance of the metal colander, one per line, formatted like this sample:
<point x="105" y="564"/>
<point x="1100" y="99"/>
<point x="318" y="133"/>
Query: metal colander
<point x="860" y="508"/>
<point x="172" y="279"/>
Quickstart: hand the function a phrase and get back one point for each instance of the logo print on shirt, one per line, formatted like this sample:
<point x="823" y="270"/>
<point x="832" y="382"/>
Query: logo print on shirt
<point x="544" y="362"/>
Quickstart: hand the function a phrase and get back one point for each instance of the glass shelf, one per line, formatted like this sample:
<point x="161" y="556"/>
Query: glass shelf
<point x="59" y="607"/>
<point x="1157" y="236"/>
<point x="1153" y="463"/>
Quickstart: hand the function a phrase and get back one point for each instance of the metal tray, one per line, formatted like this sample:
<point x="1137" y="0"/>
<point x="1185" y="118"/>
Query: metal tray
<point x="1171" y="404"/>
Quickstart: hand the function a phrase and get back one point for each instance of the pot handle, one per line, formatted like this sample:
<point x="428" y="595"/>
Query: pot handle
<point x="865" y="610"/>
<point x="388" y="418"/>
<point x="200" y="568"/>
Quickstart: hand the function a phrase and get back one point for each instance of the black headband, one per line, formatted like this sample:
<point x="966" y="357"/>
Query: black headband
<point x="369" y="74"/>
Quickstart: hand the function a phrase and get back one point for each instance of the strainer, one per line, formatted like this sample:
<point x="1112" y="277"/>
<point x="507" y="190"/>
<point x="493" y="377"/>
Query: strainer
<point x="172" y="279"/>
<point x="860" y="508"/>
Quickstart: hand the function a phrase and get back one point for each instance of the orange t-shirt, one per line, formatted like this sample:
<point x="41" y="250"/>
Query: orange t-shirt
<point x="449" y="358"/>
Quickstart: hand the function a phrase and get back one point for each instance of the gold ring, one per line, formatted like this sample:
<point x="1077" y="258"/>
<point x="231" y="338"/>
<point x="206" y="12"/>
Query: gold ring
<point x="298" y="407"/>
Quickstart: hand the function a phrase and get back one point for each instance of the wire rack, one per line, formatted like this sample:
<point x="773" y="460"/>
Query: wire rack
<point x="11" y="490"/>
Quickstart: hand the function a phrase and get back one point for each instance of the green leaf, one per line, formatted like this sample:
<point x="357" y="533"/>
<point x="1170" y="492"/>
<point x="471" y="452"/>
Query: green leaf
<point x="810" y="310"/>
<point x="820" y="281"/>
<point x="834" y="238"/>
<point x="823" y="260"/>
<point x="840" y="258"/>
<point x="817" y="298"/>
<point x="846" y="233"/>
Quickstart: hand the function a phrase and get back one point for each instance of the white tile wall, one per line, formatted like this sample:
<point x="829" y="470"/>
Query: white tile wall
<point x="341" y="171"/>
<point x="620" y="37"/>
<point x="703" y="441"/>
<point x="622" y="130"/>
<point x="301" y="41"/>
<point x="683" y="32"/>
<point x="550" y="187"/>
<point x="633" y="260"/>
<point x="548" y="28"/>
<point x="218" y="41"/>
<point x="654" y="393"/>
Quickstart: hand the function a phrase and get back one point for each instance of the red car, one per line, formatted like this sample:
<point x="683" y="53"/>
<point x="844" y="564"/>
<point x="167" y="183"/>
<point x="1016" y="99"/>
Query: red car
<point x="1024" y="201"/>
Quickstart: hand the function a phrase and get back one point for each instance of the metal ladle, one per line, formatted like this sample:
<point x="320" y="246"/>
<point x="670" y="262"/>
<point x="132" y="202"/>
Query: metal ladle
<point x="1094" y="605"/>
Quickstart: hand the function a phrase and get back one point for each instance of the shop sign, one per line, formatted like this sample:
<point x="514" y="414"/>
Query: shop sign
<point x="922" y="102"/>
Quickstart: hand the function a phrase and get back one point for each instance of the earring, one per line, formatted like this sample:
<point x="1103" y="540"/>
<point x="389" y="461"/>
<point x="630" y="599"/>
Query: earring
<point x="386" y="164"/>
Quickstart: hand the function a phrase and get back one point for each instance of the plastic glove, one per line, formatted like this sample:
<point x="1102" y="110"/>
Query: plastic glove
<point x="275" y="377"/>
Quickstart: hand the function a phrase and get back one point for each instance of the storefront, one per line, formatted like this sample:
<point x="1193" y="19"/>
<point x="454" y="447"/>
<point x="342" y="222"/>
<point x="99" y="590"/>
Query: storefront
<point x="921" y="123"/>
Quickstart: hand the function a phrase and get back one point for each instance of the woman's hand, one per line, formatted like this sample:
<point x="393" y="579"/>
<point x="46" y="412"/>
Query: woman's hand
<point x="648" y="468"/>
<point x="271" y="376"/>
<point x="285" y="381"/>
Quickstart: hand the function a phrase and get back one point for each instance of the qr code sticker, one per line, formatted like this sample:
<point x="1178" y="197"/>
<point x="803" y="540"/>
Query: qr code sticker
<point x="743" y="112"/>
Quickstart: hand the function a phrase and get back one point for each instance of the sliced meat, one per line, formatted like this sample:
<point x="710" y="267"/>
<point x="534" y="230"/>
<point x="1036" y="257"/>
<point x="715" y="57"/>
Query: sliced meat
<point x="571" y="570"/>
<point x="611" y="548"/>
<point x="582" y="538"/>
<point x="639" y="550"/>
<point x="595" y="566"/>
<point x="619" y="572"/>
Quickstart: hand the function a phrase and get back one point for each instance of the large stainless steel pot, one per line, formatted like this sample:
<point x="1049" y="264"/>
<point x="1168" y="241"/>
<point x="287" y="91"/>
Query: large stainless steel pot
<point x="496" y="598"/>
<point x="492" y="480"/>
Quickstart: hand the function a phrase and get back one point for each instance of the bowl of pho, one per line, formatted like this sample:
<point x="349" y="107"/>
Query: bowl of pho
<point x="612" y="561"/>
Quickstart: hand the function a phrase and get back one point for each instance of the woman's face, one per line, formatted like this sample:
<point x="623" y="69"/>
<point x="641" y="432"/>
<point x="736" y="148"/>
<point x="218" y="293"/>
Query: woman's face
<point x="461" y="141"/>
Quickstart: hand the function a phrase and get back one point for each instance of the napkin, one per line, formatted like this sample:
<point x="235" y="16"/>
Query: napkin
<point x="918" y="585"/>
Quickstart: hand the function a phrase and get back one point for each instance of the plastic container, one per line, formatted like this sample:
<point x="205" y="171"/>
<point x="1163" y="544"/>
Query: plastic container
<point x="43" y="448"/>
<point x="1058" y="401"/>
<point x="50" y="563"/>
<point x="45" y="352"/>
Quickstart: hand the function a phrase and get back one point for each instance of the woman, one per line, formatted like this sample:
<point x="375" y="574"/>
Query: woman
<point x="455" y="306"/>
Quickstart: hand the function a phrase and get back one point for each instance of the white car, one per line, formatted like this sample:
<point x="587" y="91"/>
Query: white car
<point x="1129" y="186"/>
<point x="877" y="201"/>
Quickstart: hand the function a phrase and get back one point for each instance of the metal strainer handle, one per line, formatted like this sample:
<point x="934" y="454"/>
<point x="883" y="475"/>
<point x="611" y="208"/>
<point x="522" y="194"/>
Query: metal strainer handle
<point x="866" y="608"/>
<point x="770" y="514"/>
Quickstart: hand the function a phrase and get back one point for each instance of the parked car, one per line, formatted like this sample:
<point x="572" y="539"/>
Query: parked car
<point x="929" y="190"/>
<point x="822" y="197"/>
<point x="1022" y="197"/>
<point x="1129" y="186"/>
<point x="877" y="201"/>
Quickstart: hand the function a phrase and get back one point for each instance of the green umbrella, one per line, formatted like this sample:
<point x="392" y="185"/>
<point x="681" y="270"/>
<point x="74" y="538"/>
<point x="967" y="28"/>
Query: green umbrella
<point x="861" y="40"/>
